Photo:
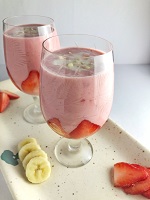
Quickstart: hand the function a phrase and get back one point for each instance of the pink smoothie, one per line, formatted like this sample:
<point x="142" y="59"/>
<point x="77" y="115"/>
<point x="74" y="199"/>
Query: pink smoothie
<point x="22" y="48"/>
<point x="76" y="89"/>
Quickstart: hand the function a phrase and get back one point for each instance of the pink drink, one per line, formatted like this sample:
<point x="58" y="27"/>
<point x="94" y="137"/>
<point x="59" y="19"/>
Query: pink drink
<point x="22" y="48"/>
<point x="76" y="93"/>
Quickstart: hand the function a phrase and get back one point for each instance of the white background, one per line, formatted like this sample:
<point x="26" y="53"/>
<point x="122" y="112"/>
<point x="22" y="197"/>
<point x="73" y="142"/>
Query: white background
<point x="125" y="23"/>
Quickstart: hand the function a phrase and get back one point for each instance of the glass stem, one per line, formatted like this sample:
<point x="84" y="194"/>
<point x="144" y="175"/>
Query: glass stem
<point x="37" y="108"/>
<point x="74" y="145"/>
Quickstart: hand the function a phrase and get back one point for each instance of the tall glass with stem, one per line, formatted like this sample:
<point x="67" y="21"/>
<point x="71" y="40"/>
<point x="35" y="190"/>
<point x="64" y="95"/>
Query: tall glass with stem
<point x="76" y="92"/>
<point x="23" y="37"/>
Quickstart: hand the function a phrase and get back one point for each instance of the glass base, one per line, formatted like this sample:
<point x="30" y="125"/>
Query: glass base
<point x="73" y="153"/>
<point x="33" y="114"/>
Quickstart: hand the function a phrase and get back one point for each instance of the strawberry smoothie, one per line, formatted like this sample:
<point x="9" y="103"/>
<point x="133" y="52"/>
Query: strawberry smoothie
<point x="77" y="90"/>
<point x="22" y="48"/>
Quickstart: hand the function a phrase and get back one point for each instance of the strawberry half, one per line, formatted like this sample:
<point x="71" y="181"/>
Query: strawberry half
<point x="146" y="194"/>
<point x="140" y="186"/>
<point x="127" y="174"/>
<point x="11" y="95"/>
<point x="31" y="84"/>
<point x="84" y="129"/>
<point x="56" y="126"/>
<point x="4" y="101"/>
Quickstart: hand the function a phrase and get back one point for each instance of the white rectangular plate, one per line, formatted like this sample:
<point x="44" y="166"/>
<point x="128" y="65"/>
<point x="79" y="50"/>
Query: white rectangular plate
<point x="93" y="181"/>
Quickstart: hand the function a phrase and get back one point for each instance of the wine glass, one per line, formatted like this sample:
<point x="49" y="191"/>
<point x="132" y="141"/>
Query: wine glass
<point x="76" y="92"/>
<point x="23" y="37"/>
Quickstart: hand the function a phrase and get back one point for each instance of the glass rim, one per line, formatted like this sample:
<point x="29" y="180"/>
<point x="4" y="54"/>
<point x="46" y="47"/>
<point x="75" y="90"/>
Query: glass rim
<point x="95" y="36"/>
<point x="17" y="16"/>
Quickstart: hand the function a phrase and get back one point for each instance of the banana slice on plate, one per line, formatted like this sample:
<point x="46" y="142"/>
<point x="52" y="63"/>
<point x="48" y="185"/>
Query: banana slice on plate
<point x="26" y="141"/>
<point x="26" y="149"/>
<point x="34" y="160"/>
<point x="38" y="170"/>
<point x="32" y="154"/>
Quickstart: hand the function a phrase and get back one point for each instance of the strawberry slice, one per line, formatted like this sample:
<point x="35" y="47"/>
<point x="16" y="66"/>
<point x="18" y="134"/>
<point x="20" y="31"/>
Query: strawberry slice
<point x="146" y="194"/>
<point x="127" y="174"/>
<point x="11" y="95"/>
<point x="4" y="101"/>
<point x="84" y="129"/>
<point x="56" y="126"/>
<point x="31" y="84"/>
<point x="140" y="186"/>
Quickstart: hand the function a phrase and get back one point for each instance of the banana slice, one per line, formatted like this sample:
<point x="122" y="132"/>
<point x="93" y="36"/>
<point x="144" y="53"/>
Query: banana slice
<point x="26" y="141"/>
<point x="34" y="160"/>
<point x="26" y="149"/>
<point x="32" y="154"/>
<point x="38" y="170"/>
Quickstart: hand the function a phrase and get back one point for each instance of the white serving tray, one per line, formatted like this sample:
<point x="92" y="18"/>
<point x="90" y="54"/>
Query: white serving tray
<point x="93" y="181"/>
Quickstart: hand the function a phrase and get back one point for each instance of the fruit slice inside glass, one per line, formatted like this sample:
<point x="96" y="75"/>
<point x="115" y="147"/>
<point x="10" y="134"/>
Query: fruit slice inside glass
<point x="79" y="148"/>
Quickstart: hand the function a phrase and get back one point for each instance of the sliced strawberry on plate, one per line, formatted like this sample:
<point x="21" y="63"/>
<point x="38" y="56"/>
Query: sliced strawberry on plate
<point x="146" y="194"/>
<point x="31" y="84"/>
<point x="56" y="126"/>
<point x="4" y="101"/>
<point x="140" y="186"/>
<point x="126" y="174"/>
<point x="84" y="129"/>
<point x="11" y="95"/>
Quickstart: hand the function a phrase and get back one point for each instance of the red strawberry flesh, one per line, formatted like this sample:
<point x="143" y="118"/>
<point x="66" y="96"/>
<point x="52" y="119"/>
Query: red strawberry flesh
<point x="11" y="95"/>
<point x="146" y="194"/>
<point x="4" y="101"/>
<point x="56" y="126"/>
<point x="139" y="187"/>
<point x="127" y="174"/>
<point x="31" y="84"/>
<point x="84" y="129"/>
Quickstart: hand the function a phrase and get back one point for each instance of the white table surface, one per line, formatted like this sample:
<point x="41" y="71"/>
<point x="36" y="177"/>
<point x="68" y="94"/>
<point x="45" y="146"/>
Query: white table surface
<point x="131" y="107"/>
